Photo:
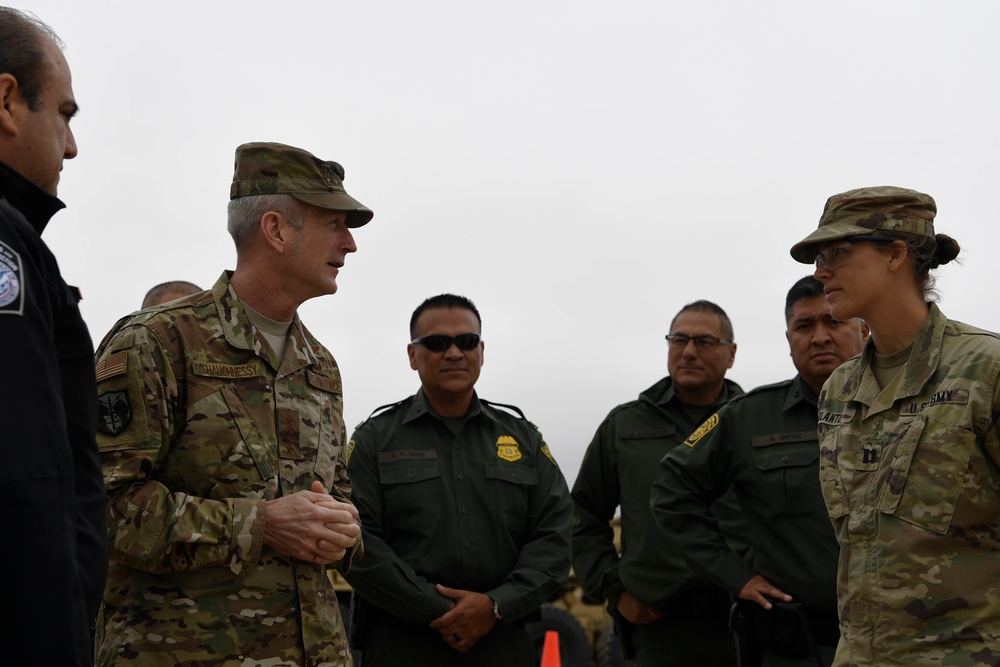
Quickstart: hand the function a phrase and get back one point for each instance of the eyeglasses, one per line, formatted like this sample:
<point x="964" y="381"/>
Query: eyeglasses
<point x="440" y="342"/>
<point x="680" y="341"/>
<point x="835" y="256"/>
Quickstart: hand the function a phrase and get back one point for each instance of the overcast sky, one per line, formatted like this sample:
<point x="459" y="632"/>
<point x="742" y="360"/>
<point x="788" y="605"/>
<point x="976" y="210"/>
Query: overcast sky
<point x="581" y="169"/>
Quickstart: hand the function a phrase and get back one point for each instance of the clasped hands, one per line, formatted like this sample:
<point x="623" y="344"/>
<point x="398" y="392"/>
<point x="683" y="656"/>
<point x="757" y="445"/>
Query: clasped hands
<point x="311" y="526"/>
<point x="468" y="620"/>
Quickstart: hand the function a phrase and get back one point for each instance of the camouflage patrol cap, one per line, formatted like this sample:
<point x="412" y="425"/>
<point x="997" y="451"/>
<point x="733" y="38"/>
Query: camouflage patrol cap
<point x="269" y="168"/>
<point x="862" y="211"/>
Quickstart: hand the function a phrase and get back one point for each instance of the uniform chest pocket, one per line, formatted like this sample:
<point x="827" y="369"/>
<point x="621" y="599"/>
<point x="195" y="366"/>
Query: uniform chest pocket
<point x="222" y="451"/>
<point x="790" y="473"/>
<point x="927" y="473"/>
<point x="831" y="442"/>
<point x="411" y="489"/>
<point x="509" y="485"/>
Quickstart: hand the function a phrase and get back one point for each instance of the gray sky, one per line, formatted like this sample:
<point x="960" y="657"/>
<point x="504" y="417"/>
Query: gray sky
<point x="581" y="170"/>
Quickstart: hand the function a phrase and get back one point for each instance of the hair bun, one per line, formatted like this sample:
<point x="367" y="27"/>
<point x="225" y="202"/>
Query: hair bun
<point x="946" y="250"/>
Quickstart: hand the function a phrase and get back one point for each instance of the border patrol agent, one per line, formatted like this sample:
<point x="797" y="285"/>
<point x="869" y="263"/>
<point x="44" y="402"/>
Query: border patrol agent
<point x="664" y="612"/>
<point x="909" y="442"/>
<point x="221" y="432"/>
<point x="467" y="517"/>
<point x="765" y="446"/>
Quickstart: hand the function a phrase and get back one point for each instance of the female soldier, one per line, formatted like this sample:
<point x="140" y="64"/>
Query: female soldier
<point x="909" y="442"/>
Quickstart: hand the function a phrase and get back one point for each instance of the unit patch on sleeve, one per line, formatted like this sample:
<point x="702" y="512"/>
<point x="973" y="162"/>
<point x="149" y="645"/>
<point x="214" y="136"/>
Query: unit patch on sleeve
<point x="548" y="454"/>
<point x="507" y="448"/>
<point x="11" y="282"/>
<point x="702" y="430"/>
<point x="114" y="412"/>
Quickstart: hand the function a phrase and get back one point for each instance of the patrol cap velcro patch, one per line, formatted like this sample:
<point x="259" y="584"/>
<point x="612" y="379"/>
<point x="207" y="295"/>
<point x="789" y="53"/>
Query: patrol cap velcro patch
<point x="702" y="430"/>
<point x="112" y="365"/>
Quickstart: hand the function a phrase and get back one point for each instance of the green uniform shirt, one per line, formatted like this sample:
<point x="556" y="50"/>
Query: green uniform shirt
<point x="200" y="425"/>
<point x="485" y="510"/>
<point x="617" y="470"/>
<point x="764" y="445"/>
<point x="911" y="480"/>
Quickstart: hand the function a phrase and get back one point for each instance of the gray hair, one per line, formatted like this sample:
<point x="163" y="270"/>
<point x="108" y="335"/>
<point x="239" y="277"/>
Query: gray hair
<point x="245" y="214"/>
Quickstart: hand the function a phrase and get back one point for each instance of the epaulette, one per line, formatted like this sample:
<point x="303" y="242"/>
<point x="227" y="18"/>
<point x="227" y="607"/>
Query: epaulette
<point x="762" y="388"/>
<point x="378" y="410"/>
<point x="511" y="408"/>
<point x="118" y="326"/>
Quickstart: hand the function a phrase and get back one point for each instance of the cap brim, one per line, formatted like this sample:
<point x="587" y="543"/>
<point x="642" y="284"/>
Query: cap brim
<point x="805" y="250"/>
<point x="357" y="213"/>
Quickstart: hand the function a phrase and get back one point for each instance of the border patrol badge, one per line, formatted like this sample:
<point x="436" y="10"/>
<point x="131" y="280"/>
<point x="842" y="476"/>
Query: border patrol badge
<point x="114" y="412"/>
<point x="702" y="430"/>
<point x="507" y="448"/>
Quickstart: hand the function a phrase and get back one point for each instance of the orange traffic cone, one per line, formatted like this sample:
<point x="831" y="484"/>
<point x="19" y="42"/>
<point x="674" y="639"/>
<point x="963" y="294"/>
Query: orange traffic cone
<point x="550" y="650"/>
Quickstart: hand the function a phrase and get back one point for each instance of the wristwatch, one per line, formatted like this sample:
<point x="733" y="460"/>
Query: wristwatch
<point x="496" y="611"/>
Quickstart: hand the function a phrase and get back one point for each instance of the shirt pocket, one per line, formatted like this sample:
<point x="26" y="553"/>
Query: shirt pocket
<point x="222" y="452"/>
<point x="510" y="486"/>
<point x="322" y="428"/>
<point x="832" y="441"/>
<point x="927" y="474"/>
<point x="787" y="469"/>
<point x="412" y="492"/>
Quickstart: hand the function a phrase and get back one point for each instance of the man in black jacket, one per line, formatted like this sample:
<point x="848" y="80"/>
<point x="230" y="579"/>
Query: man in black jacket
<point x="51" y="490"/>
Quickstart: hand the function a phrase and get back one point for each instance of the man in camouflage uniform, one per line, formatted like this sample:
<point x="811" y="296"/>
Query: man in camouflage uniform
<point x="467" y="517"/>
<point x="764" y="445"/>
<point x="663" y="611"/>
<point x="909" y="454"/>
<point x="221" y="434"/>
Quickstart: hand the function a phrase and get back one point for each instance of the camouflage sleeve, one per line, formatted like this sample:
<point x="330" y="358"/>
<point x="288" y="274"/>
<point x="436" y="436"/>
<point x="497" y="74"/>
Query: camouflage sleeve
<point x="992" y="440"/>
<point x="154" y="526"/>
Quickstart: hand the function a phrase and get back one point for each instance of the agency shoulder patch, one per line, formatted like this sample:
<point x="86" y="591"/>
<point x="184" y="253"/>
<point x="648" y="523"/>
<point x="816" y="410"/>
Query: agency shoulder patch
<point x="114" y="412"/>
<point x="703" y="430"/>
<point x="11" y="282"/>
<point x="507" y="448"/>
<point x="548" y="454"/>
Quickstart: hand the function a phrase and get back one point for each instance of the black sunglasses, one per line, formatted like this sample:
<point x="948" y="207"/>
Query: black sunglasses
<point x="440" y="342"/>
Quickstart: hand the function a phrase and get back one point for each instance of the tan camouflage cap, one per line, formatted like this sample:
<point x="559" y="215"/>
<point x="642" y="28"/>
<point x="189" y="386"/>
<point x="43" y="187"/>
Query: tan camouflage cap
<point x="269" y="168"/>
<point x="862" y="211"/>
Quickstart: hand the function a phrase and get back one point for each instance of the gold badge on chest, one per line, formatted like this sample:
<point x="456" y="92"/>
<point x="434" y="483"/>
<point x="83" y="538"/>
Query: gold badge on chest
<point x="507" y="448"/>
